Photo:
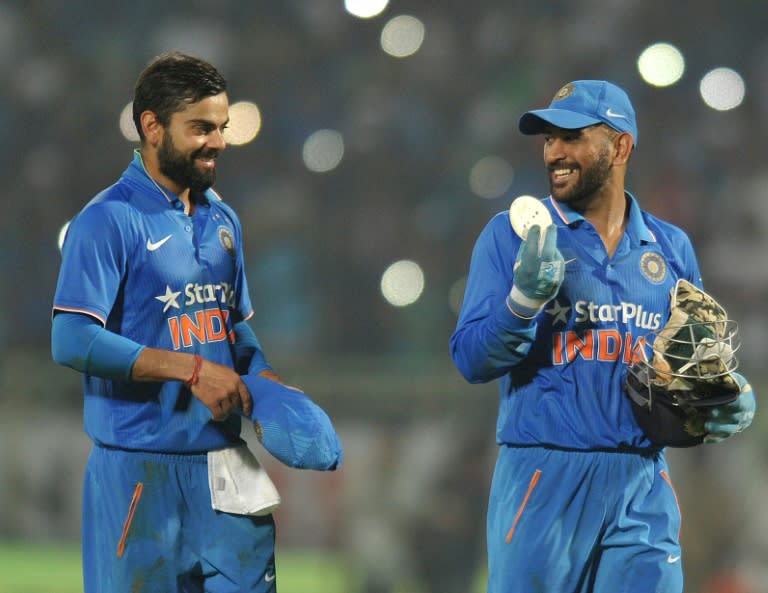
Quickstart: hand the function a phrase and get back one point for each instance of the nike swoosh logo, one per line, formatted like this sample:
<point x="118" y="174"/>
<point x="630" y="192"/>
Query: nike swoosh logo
<point x="611" y="113"/>
<point x="672" y="559"/>
<point x="157" y="244"/>
<point x="269" y="577"/>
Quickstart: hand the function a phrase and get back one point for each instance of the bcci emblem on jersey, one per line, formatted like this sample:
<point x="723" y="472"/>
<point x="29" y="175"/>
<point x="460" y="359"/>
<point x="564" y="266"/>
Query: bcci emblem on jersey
<point x="226" y="240"/>
<point x="653" y="267"/>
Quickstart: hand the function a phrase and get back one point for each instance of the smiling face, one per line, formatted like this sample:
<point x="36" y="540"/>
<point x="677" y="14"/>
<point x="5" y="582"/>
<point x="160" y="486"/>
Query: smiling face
<point x="579" y="163"/>
<point x="192" y="142"/>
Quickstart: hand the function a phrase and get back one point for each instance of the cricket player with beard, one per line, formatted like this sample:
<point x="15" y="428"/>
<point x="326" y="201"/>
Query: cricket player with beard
<point x="151" y="306"/>
<point x="581" y="498"/>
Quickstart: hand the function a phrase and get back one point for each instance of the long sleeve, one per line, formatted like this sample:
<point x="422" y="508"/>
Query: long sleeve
<point x="248" y="353"/>
<point x="81" y="343"/>
<point x="489" y="339"/>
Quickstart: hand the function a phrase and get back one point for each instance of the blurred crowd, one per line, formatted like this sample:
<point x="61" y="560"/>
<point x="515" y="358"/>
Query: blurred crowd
<point x="318" y="243"/>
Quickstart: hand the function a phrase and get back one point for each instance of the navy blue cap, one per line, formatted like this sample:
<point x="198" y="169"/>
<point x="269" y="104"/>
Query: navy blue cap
<point x="583" y="103"/>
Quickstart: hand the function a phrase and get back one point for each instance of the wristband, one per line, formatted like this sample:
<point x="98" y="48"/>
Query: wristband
<point x="523" y="306"/>
<point x="195" y="372"/>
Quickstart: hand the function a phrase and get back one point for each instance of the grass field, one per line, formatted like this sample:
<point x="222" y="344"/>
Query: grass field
<point x="55" y="568"/>
<point x="27" y="568"/>
<point x="51" y="568"/>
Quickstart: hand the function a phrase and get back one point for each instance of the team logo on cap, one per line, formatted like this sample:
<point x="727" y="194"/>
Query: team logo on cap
<point x="653" y="267"/>
<point x="564" y="92"/>
<point x="226" y="240"/>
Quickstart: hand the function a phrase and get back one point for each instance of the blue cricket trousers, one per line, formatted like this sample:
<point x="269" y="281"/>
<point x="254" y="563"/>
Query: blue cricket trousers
<point x="148" y="527"/>
<point x="582" y="522"/>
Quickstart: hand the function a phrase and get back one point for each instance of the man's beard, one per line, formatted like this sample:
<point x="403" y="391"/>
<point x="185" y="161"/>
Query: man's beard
<point x="181" y="168"/>
<point x="590" y="181"/>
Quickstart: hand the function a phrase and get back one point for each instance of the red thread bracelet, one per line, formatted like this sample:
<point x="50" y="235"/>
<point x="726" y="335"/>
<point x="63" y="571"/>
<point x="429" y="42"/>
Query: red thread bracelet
<point x="195" y="372"/>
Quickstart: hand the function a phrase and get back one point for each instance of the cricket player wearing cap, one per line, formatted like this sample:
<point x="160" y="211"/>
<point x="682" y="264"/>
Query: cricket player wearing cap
<point x="581" y="498"/>
<point x="151" y="306"/>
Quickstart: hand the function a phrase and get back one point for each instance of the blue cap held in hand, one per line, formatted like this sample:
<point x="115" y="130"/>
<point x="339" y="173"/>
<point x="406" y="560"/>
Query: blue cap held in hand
<point x="583" y="103"/>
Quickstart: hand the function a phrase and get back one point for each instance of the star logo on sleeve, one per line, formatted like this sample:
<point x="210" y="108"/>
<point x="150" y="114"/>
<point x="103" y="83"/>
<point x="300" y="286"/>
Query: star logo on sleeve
<point x="169" y="299"/>
<point x="558" y="312"/>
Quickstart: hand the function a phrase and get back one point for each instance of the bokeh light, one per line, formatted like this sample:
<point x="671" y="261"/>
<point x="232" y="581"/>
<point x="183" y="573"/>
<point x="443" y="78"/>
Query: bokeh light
<point x="402" y="283"/>
<point x="323" y="151"/>
<point x="402" y="36"/>
<point x="661" y="65"/>
<point x="244" y="123"/>
<point x="127" y="127"/>
<point x="491" y="177"/>
<point x="365" y="9"/>
<point x="722" y="89"/>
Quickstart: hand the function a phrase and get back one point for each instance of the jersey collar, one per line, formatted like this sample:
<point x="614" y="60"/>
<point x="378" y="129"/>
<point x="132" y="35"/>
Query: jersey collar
<point x="636" y="227"/>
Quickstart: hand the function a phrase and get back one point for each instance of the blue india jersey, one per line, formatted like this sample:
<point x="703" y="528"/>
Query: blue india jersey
<point x="134" y="260"/>
<point x="562" y="377"/>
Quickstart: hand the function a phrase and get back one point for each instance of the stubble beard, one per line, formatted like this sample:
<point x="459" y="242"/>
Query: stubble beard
<point x="591" y="180"/>
<point x="181" y="168"/>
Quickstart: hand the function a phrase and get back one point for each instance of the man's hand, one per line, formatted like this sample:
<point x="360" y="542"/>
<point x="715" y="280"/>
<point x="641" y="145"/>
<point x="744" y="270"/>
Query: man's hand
<point x="725" y="421"/>
<point x="538" y="272"/>
<point x="218" y="387"/>
<point x="221" y="390"/>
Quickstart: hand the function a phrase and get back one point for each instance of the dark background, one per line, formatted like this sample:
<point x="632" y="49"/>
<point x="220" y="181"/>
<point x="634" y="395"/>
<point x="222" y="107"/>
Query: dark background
<point x="317" y="244"/>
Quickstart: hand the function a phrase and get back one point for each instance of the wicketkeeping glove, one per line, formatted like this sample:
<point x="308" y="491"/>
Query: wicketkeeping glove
<point x="538" y="272"/>
<point x="682" y="383"/>
<point x="725" y="421"/>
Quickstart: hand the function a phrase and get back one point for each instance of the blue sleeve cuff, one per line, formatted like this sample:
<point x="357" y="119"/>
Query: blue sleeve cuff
<point x="249" y="355"/>
<point x="81" y="343"/>
<point x="514" y="323"/>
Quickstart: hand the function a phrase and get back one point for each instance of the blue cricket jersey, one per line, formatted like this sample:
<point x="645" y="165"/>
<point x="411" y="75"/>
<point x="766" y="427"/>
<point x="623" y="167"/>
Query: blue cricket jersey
<point x="135" y="261"/>
<point x="562" y="374"/>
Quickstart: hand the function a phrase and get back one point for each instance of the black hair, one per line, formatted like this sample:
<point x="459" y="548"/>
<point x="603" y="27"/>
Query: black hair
<point x="170" y="83"/>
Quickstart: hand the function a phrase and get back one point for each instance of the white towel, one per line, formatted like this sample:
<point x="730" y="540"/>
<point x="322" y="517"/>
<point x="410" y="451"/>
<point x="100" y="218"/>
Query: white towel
<point x="239" y="484"/>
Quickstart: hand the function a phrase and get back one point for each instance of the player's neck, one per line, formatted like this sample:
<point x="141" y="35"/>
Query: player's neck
<point x="608" y="213"/>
